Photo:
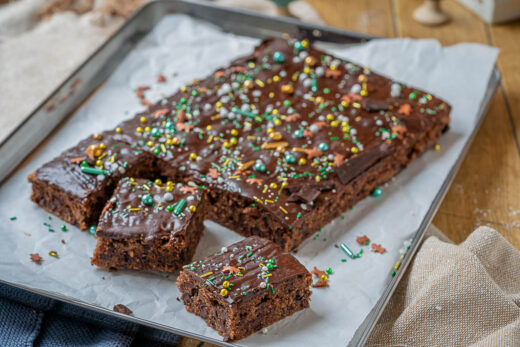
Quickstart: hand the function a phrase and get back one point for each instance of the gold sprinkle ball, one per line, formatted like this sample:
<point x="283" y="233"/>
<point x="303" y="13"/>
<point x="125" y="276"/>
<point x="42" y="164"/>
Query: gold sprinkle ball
<point x="223" y="292"/>
<point x="192" y="208"/>
<point x="287" y="89"/>
<point x="142" y="119"/>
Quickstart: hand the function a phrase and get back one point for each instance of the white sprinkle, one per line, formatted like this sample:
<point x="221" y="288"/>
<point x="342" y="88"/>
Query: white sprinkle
<point x="356" y="88"/>
<point x="223" y="250"/>
<point x="168" y="196"/>
<point x="262" y="285"/>
<point x="395" y="90"/>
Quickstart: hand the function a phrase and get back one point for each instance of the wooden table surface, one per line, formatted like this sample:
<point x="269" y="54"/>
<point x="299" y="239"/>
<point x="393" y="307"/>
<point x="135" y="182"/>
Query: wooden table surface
<point x="486" y="190"/>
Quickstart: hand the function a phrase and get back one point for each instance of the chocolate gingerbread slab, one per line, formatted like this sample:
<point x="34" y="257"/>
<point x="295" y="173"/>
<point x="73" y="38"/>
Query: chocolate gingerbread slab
<point x="285" y="140"/>
<point x="149" y="225"/>
<point x="245" y="287"/>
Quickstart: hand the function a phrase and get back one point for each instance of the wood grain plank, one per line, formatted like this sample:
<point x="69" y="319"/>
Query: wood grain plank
<point x="368" y="16"/>
<point x="507" y="38"/>
<point x="463" y="27"/>
<point x="486" y="189"/>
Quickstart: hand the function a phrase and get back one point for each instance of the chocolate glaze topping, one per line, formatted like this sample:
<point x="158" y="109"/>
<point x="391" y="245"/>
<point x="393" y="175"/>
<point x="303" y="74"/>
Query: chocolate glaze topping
<point x="250" y="266"/>
<point x="149" y="209"/>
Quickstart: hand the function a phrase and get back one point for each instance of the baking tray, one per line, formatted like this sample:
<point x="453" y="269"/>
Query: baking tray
<point x="91" y="74"/>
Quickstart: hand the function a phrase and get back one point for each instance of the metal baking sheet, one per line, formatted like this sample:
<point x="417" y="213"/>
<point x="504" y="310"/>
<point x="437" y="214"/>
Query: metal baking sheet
<point x="95" y="70"/>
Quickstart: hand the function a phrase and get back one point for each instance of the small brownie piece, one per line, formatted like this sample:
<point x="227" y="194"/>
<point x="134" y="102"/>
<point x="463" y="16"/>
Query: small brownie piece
<point x="248" y="286"/>
<point x="148" y="225"/>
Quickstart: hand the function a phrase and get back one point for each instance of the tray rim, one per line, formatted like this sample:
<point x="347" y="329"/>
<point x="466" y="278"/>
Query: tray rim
<point x="363" y="331"/>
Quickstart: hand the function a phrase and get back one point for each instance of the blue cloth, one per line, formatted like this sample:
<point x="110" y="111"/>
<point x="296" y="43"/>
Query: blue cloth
<point x="28" y="319"/>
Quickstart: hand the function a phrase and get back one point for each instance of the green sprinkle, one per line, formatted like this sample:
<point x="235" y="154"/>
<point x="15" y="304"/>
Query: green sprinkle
<point x="92" y="229"/>
<point x="63" y="227"/>
<point x="179" y="207"/>
<point x="244" y="293"/>
<point x="393" y="273"/>
<point x="376" y="192"/>
<point x="93" y="171"/>
<point x="343" y="260"/>
<point x="249" y="254"/>
<point x="329" y="271"/>
<point x="12" y="218"/>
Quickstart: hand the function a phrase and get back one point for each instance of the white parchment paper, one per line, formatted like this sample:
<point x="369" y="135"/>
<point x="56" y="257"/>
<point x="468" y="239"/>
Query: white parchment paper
<point x="193" y="49"/>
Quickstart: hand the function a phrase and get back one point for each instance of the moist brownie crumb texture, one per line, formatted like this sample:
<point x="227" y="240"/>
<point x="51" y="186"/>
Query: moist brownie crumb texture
<point x="149" y="225"/>
<point x="246" y="287"/>
<point x="283" y="141"/>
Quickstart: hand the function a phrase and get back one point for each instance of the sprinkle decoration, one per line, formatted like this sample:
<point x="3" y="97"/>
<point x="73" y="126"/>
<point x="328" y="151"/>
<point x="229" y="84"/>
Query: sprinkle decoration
<point x="223" y="277"/>
<point x="323" y="277"/>
<point x="351" y="254"/>
<point x="53" y="254"/>
<point x="403" y="251"/>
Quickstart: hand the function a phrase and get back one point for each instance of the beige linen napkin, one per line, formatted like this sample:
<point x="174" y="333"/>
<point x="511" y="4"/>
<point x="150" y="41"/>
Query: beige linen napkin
<point x="456" y="295"/>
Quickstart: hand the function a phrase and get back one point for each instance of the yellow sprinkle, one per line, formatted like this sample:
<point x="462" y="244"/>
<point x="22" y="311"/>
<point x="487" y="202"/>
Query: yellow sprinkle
<point x="245" y="166"/>
<point x="146" y="187"/>
<point x="215" y="117"/>
<point x="207" y="274"/>
<point x="276" y="78"/>
<point x="265" y="189"/>
<point x="102" y="156"/>
<point x="397" y="265"/>
<point x="437" y="147"/>
<point x="267" y="275"/>
<point x="134" y="209"/>
<point x="257" y="199"/>
<point x="271" y="95"/>
<point x="163" y="147"/>
<point x="234" y="177"/>
<point x="363" y="92"/>
<point x="284" y="210"/>
<point x="210" y="138"/>
<point x="227" y="161"/>
<point x="271" y="145"/>
<point x="269" y="201"/>
<point x="260" y="83"/>
<point x="273" y="185"/>
<point x="356" y="105"/>
<point x="354" y="150"/>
